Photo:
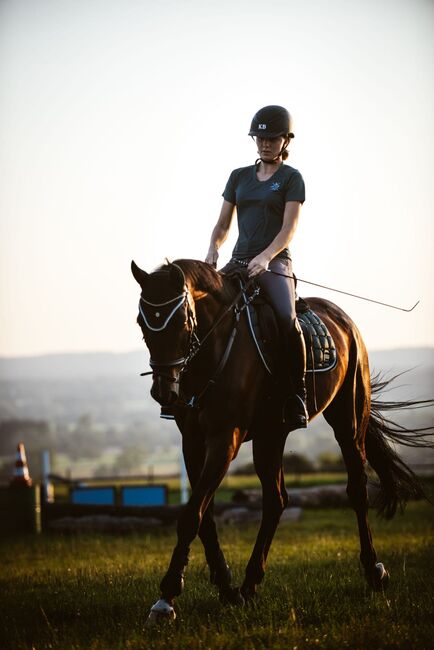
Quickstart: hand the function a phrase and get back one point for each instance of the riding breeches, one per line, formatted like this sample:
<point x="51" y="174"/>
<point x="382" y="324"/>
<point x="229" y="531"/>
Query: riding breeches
<point x="278" y="287"/>
<point x="280" y="292"/>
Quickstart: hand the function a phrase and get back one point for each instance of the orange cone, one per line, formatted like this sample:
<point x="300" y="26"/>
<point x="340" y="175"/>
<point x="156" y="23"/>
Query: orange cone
<point x="21" y="474"/>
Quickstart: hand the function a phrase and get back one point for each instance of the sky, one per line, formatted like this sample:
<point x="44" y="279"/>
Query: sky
<point x="120" y="122"/>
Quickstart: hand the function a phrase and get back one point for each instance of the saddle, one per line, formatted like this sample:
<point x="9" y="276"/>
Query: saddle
<point x="321" y="355"/>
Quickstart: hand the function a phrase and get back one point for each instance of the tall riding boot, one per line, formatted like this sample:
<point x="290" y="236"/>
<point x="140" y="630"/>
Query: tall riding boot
<point x="295" y="415"/>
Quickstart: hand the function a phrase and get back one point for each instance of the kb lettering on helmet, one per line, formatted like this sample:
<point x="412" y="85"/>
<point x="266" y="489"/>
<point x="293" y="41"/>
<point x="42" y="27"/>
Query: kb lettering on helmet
<point x="274" y="120"/>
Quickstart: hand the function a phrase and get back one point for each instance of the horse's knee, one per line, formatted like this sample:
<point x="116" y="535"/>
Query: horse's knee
<point x="274" y="503"/>
<point x="188" y="522"/>
<point x="274" y="494"/>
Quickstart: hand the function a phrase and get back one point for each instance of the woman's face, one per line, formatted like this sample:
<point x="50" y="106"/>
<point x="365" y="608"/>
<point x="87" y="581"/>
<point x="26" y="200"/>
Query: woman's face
<point x="269" y="148"/>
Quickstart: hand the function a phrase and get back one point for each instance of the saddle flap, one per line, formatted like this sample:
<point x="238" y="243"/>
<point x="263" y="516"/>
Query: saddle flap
<point x="320" y="348"/>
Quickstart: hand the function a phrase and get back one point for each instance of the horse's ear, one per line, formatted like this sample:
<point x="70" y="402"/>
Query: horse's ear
<point x="177" y="277"/>
<point x="140" y="276"/>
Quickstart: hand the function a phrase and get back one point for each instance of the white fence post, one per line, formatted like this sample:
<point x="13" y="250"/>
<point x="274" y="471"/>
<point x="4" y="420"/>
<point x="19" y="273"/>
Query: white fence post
<point x="183" y="481"/>
<point x="47" y="486"/>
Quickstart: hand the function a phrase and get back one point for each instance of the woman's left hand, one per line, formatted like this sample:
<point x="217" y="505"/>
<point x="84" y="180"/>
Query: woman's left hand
<point x="258" y="265"/>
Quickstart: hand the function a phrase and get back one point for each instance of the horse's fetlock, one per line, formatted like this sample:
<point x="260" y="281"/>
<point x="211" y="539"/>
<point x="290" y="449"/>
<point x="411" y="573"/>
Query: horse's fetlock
<point x="172" y="585"/>
<point x="378" y="578"/>
<point x="221" y="575"/>
<point x="254" y="575"/>
<point x="231" y="596"/>
<point x="248" y="592"/>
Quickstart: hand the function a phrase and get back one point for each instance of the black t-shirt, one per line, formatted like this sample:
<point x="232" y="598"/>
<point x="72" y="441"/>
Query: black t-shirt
<point x="260" y="206"/>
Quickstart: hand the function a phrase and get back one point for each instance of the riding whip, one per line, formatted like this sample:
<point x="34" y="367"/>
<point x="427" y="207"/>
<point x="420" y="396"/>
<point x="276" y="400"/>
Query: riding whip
<point x="347" y="293"/>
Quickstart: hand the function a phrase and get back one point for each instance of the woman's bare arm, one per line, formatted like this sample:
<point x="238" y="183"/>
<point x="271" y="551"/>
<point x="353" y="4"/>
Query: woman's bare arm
<point x="220" y="232"/>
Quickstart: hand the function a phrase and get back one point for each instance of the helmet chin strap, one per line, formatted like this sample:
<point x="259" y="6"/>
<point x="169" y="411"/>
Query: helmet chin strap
<point x="266" y="162"/>
<point x="274" y="160"/>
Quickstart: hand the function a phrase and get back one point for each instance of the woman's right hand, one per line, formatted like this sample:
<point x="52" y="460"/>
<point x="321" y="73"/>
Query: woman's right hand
<point x="212" y="257"/>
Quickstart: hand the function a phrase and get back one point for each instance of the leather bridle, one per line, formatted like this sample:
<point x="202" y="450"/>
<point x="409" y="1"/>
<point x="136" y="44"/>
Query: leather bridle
<point x="195" y="344"/>
<point x="180" y="300"/>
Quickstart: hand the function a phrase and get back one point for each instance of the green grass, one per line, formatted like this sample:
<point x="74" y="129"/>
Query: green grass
<point x="94" y="592"/>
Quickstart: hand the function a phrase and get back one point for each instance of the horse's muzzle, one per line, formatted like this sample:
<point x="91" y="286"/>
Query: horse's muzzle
<point x="164" y="390"/>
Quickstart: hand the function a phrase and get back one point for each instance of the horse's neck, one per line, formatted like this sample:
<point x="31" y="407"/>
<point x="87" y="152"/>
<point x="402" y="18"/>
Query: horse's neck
<point x="211" y="306"/>
<point x="208" y="311"/>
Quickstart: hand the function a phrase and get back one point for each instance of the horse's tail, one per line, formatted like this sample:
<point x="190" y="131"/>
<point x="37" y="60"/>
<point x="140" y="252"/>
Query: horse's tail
<point x="398" y="483"/>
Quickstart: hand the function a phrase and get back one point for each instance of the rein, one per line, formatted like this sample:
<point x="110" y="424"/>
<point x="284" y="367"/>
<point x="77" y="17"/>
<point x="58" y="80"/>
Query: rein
<point x="232" y="305"/>
<point x="193" y="402"/>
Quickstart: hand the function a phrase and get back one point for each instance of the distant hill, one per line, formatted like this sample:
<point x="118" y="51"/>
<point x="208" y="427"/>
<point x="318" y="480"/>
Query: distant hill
<point x="86" y="365"/>
<point x="109" y="364"/>
<point x="106" y="391"/>
<point x="402" y="358"/>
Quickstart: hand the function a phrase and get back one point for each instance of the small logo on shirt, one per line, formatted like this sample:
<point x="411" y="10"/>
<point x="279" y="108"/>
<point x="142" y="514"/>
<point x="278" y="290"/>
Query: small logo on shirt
<point x="274" y="186"/>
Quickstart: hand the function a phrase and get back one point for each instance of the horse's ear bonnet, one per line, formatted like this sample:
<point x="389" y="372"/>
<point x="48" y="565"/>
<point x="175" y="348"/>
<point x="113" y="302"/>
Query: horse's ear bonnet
<point x="140" y="276"/>
<point x="177" y="277"/>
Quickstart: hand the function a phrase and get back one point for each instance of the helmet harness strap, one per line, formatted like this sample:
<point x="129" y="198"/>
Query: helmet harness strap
<point x="276" y="158"/>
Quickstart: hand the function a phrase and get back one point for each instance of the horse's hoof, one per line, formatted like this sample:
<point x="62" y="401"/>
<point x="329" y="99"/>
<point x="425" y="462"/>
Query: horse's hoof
<point x="249" y="595"/>
<point x="161" y="614"/>
<point x="380" y="577"/>
<point x="232" y="596"/>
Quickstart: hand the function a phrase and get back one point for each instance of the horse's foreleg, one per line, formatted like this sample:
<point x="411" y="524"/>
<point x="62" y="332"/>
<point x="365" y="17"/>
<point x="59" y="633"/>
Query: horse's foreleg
<point x="218" y="456"/>
<point x="268" y="463"/>
<point x="220" y="574"/>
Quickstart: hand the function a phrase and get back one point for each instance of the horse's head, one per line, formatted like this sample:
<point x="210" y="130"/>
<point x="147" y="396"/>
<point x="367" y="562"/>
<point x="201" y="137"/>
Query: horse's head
<point x="167" y="320"/>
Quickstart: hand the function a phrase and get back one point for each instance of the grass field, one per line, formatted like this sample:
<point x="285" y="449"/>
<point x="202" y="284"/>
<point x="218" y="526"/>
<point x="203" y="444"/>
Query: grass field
<point x="94" y="592"/>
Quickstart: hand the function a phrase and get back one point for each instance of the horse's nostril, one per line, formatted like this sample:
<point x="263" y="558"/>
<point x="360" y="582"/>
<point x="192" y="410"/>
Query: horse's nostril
<point x="172" y="397"/>
<point x="163" y="392"/>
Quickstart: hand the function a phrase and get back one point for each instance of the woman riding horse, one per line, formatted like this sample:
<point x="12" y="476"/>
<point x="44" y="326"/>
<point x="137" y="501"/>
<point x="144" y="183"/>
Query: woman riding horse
<point x="205" y="366"/>
<point x="267" y="197"/>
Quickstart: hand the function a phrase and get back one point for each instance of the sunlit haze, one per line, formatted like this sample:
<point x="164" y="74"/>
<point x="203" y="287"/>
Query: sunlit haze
<point x="121" y="121"/>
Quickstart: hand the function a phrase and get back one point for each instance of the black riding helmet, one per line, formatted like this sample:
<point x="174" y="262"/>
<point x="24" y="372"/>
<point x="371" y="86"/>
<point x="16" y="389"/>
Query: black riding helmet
<point x="270" y="122"/>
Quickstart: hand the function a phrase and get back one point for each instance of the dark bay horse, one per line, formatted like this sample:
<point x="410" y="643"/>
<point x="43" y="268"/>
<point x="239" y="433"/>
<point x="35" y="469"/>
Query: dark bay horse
<point x="205" y="363"/>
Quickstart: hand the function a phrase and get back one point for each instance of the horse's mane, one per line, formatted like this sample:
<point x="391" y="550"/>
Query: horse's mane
<point x="204" y="277"/>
